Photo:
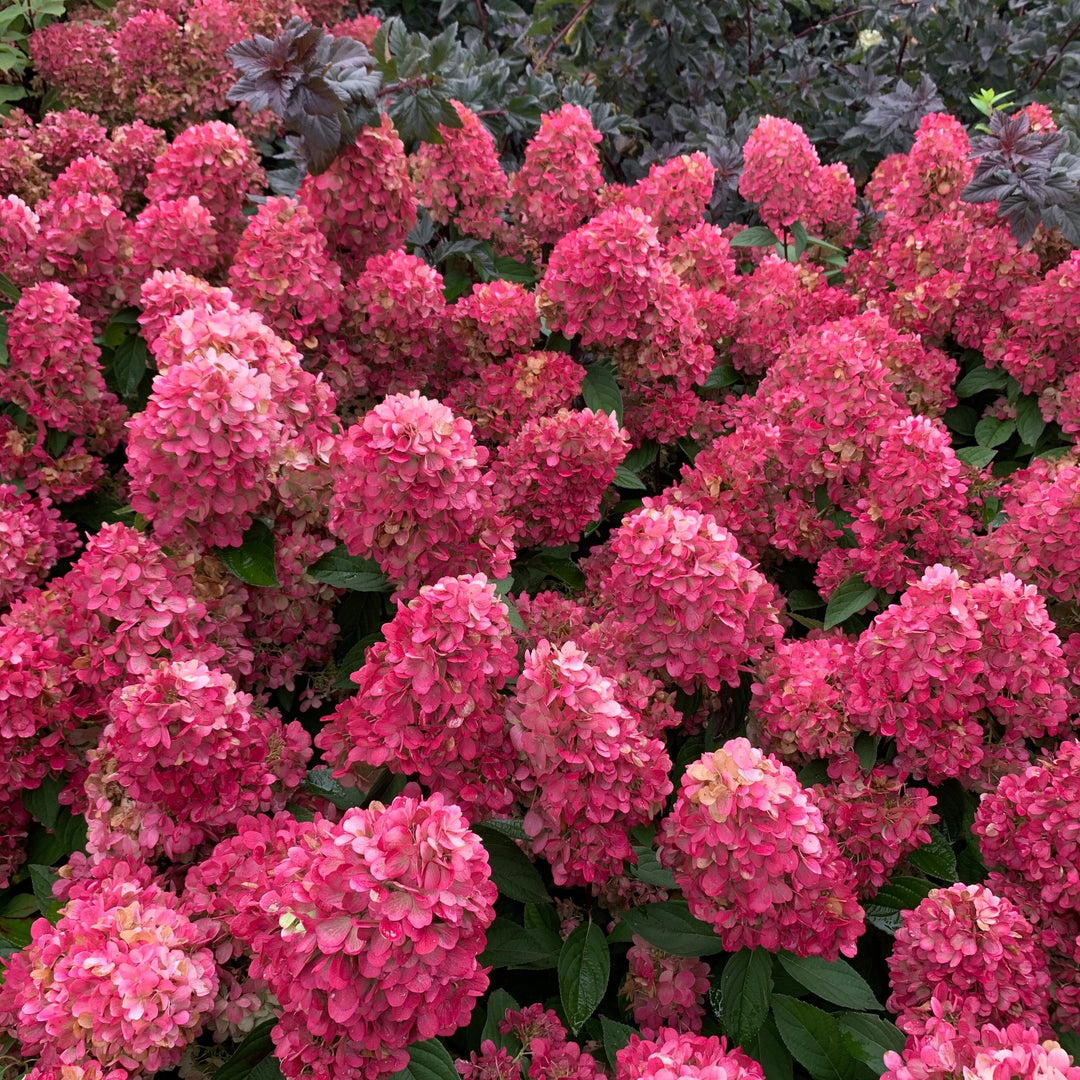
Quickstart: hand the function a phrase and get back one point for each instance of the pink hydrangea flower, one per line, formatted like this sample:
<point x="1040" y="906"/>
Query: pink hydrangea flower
<point x="124" y="979"/>
<point x="364" y="202"/>
<point x="557" y="187"/>
<point x="183" y="757"/>
<point x="673" y="1053"/>
<point x="177" y="235"/>
<point x="504" y="397"/>
<point x="551" y="475"/>
<point x="428" y="699"/>
<point x="664" y="991"/>
<point x="779" y="169"/>
<point x="973" y="953"/>
<point x="32" y="538"/>
<point x="54" y="371"/>
<point x="282" y="269"/>
<point x="592" y="773"/>
<point x="697" y="608"/>
<point x="877" y="819"/>
<point x="460" y="178"/>
<point x="748" y="847"/>
<point x="494" y="320"/>
<point x="409" y="490"/>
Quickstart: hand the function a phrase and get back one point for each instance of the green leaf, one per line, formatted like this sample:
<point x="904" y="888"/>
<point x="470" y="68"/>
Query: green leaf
<point x="669" y="925"/>
<point x="8" y="289"/>
<point x="937" y="858"/>
<point x="1029" y="420"/>
<point x="648" y="868"/>
<point x="129" y="364"/>
<point x="43" y="802"/>
<point x="616" y="1036"/>
<point x="68" y="834"/>
<point x="977" y="456"/>
<point x="513" y="827"/>
<point x="601" y="390"/>
<point x="42" y="879"/>
<point x="990" y="431"/>
<point x="513" y="616"/>
<point x="814" y="1038"/>
<point x="557" y="566"/>
<point x="871" y="1036"/>
<point x="345" y="571"/>
<point x="514" y="875"/>
<point x="511" y="270"/>
<point x="498" y="1002"/>
<point x="895" y="896"/>
<point x="257" y="1046"/>
<point x="353" y="661"/>
<point x="772" y="1054"/>
<point x="630" y="481"/>
<point x="850" y="597"/>
<point x="866" y="747"/>
<point x="802" y="241"/>
<point x="428" y="1060"/>
<point x="321" y="783"/>
<point x="724" y="374"/>
<point x="642" y="457"/>
<point x="510" y="945"/>
<point x="979" y="379"/>
<point x="755" y="236"/>
<point x="834" y="981"/>
<point x="4" y="355"/>
<point x="584" y="969"/>
<point x="253" y="561"/>
<point x="746" y="985"/>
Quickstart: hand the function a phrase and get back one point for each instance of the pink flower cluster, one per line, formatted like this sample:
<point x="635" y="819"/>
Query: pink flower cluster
<point x="543" y="1041"/>
<point x="694" y="607"/>
<point x="409" y="490"/>
<point x="662" y="990"/>
<point x="949" y="1050"/>
<point x="591" y="772"/>
<point x="558" y="186"/>
<point x="428" y="698"/>
<point x="367" y="931"/>
<point x="748" y="847"/>
<point x="33" y="537"/>
<point x="124" y="980"/>
<point x="960" y="675"/>
<point x="670" y="1053"/>
<point x="551" y="475"/>
<point x="461" y="177"/>
<point x="964" y="952"/>
<point x="182" y="759"/>
<point x="782" y="173"/>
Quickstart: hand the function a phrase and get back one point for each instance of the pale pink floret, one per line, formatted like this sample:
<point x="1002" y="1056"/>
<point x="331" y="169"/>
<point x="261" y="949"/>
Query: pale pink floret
<point x="748" y="847"/>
